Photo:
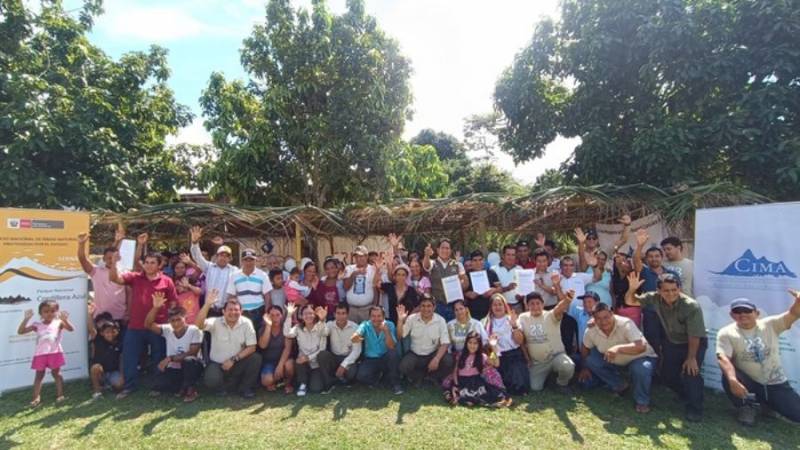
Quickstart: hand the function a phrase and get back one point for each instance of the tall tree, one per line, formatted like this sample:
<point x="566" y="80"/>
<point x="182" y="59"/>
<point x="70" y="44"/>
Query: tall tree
<point x="326" y="101"/>
<point x="451" y="151"/>
<point x="416" y="171"/>
<point x="486" y="177"/>
<point x="77" y="128"/>
<point x="663" y="91"/>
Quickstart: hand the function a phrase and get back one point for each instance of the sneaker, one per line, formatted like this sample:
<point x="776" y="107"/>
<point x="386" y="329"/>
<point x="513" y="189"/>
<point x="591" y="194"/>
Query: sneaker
<point x="747" y="415"/>
<point x="123" y="393"/>
<point x="397" y="390"/>
<point x="248" y="394"/>
<point x="97" y="395"/>
<point x="301" y="391"/>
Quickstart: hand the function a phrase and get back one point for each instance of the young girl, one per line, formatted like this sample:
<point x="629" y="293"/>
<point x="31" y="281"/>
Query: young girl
<point x="188" y="291"/>
<point x="470" y="388"/>
<point x="296" y="292"/>
<point x="48" y="353"/>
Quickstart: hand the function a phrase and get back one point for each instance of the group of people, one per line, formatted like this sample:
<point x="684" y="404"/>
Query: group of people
<point x="617" y="318"/>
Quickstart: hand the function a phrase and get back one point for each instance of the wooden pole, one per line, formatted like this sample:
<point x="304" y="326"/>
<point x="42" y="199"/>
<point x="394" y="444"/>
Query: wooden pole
<point x="298" y="245"/>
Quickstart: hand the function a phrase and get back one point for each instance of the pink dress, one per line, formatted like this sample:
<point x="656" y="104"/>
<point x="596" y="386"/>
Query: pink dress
<point x="48" y="353"/>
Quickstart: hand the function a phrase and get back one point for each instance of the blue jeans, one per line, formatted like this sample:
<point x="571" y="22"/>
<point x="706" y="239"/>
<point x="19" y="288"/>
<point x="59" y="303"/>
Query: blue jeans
<point x="640" y="369"/>
<point x="132" y="347"/>
<point x="445" y="311"/>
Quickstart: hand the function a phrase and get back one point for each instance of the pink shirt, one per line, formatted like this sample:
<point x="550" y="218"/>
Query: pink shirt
<point x="469" y="369"/>
<point x="108" y="296"/>
<point x="48" y="337"/>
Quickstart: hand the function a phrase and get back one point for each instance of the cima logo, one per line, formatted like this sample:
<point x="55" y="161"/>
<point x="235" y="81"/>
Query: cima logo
<point x="13" y="223"/>
<point x="748" y="265"/>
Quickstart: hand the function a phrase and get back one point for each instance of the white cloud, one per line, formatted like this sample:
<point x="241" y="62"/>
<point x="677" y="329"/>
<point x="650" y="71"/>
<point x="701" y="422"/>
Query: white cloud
<point x="194" y="134"/>
<point x="153" y="23"/>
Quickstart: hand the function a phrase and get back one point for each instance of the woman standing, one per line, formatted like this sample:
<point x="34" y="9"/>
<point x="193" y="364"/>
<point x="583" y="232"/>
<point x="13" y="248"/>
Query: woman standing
<point x="398" y="292"/>
<point x="505" y="335"/>
<point x="418" y="280"/>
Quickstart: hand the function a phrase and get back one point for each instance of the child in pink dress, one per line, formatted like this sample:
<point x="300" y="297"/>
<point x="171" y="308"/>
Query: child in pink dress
<point x="48" y="353"/>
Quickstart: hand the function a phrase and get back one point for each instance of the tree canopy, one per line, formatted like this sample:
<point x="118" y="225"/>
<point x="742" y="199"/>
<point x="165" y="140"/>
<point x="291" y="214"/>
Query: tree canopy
<point x="77" y="128"/>
<point x="662" y="91"/>
<point x="326" y="101"/>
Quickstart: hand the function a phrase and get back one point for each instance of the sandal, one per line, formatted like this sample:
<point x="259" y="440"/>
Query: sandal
<point x="642" y="409"/>
<point x="60" y="399"/>
<point x="35" y="402"/>
<point x="288" y="389"/>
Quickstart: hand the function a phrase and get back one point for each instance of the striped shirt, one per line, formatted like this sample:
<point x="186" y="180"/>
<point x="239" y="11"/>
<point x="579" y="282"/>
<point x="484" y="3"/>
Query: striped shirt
<point x="249" y="289"/>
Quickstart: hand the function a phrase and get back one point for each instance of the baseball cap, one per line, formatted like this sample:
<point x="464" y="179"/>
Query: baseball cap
<point x="224" y="249"/>
<point x="743" y="303"/>
<point x="523" y="243"/>
<point x="249" y="253"/>
<point x="590" y="294"/>
<point x="361" y="250"/>
<point x="591" y="232"/>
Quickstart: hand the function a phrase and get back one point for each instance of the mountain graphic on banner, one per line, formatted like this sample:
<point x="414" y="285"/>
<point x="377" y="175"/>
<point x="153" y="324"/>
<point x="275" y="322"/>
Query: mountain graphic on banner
<point x="748" y="265"/>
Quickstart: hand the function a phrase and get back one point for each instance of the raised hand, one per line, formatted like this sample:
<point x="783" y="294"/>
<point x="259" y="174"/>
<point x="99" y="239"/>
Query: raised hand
<point x="555" y="277"/>
<point x="394" y="240"/>
<point x="28" y="314"/>
<point x="625" y="220"/>
<point x="83" y="238"/>
<point x="212" y="297"/>
<point x="186" y="259"/>
<point x="321" y="313"/>
<point x="634" y="283"/>
<point x="63" y="315"/>
<point x="580" y="235"/>
<point x="159" y="299"/>
<point x="540" y="239"/>
<point x="570" y="294"/>
<point x="796" y="295"/>
<point x="402" y="314"/>
<point x="119" y="233"/>
<point x="196" y="233"/>
<point x="428" y="250"/>
<point x="642" y="237"/>
<point x="493" y="340"/>
<point x="290" y="309"/>
<point x="458" y="255"/>
<point x="267" y="320"/>
<point x="142" y="238"/>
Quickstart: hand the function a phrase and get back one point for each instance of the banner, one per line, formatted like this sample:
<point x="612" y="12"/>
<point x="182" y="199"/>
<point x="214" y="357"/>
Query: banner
<point x="38" y="261"/>
<point x="752" y="252"/>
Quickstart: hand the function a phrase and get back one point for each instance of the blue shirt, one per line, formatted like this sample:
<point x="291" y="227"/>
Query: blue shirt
<point x="374" y="345"/>
<point x="651" y="278"/>
<point x="577" y="312"/>
<point x="602" y="287"/>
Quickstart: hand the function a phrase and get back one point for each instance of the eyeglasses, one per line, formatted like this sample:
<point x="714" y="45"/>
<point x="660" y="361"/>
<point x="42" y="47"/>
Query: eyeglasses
<point x="741" y="310"/>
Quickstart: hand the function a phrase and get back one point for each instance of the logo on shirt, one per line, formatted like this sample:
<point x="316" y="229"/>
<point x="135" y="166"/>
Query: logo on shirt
<point x="748" y="265"/>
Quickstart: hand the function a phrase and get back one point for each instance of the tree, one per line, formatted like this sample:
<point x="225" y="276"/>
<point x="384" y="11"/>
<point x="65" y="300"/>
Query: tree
<point x="450" y="150"/>
<point x="663" y="92"/>
<point x="77" y="128"/>
<point x="326" y="101"/>
<point x="416" y="171"/>
<point x="485" y="177"/>
<point x="551" y="178"/>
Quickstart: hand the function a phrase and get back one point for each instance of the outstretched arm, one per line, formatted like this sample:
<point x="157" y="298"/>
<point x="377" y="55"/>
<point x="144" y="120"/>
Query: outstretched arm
<point x="83" y="239"/>
<point x="23" y="326"/>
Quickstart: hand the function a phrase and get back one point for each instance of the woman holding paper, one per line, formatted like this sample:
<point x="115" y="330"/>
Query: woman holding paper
<point x="505" y="335"/>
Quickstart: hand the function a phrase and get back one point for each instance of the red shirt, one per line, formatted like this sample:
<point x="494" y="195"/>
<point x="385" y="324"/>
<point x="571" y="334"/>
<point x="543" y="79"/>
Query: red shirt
<point x="142" y="297"/>
<point x="528" y="265"/>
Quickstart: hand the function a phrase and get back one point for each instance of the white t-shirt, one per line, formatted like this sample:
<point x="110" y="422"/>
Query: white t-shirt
<point x="362" y="292"/>
<point x="506" y="277"/>
<point x="756" y="351"/>
<point x="577" y="282"/>
<point x="177" y="345"/>
<point x="249" y="289"/>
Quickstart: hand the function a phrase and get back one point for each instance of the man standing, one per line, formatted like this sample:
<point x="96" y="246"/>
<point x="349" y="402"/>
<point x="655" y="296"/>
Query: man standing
<point x="680" y="322"/>
<point x="524" y="255"/>
<point x="234" y="364"/>
<point x="650" y="274"/>
<point x="143" y="285"/>
<point x="444" y="266"/>
<point x="507" y="274"/>
<point x="543" y="280"/>
<point x="676" y="262"/>
<point x="378" y="339"/>
<point x="615" y="342"/>
<point x="748" y="351"/>
<point x="218" y="273"/>
<point x="250" y="286"/>
<point x="359" y="284"/>
<point x="429" y="342"/>
<point x="340" y="361"/>
<point x="478" y="302"/>
<point x="108" y="296"/>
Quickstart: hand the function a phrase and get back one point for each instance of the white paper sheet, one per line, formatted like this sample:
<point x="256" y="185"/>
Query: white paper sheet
<point x="452" y="288"/>
<point x="480" y="281"/>
<point x="525" y="284"/>
<point x="127" y="250"/>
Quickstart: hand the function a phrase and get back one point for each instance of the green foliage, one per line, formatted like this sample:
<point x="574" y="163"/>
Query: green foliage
<point x="416" y="171"/>
<point x="551" y="178"/>
<point x="325" y="104"/>
<point x="451" y="151"/>
<point x="663" y="92"/>
<point x="485" y="177"/>
<point x="77" y="128"/>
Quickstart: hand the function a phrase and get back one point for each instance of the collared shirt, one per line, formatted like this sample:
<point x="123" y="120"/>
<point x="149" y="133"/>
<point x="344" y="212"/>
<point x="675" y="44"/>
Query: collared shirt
<point x="547" y="281"/>
<point x="227" y="341"/>
<point x="577" y="282"/>
<point x="143" y="289"/>
<point x="374" y="345"/>
<point x="341" y="343"/>
<point x="624" y="332"/>
<point x="650" y="277"/>
<point x="309" y="341"/>
<point x="756" y="351"/>
<point x="249" y="289"/>
<point x="426" y="337"/>
<point x="542" y="335"/>
<point x="108" y="296"/>
<point x="681" y="320"/>
<point x="216" y="277"/>
<point x="602" y="287"/>
<point x="579" y="313"/>
<point x="506" y="277"/>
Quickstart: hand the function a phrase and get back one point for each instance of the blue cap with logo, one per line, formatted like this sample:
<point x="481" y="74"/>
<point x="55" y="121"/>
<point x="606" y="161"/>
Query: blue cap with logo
<point x="743" y="303"/>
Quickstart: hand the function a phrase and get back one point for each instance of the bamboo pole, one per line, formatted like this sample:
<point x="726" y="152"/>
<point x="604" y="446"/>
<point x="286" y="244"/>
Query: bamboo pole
<point x="298" y="246"/>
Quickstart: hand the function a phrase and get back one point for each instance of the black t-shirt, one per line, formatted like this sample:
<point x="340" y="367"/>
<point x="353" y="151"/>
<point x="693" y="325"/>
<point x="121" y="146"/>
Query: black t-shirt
<point x="106" y="354"/>
<point x="479" y="307"/>
<point x="275" y="346"/>
<point x="410" y="299"/>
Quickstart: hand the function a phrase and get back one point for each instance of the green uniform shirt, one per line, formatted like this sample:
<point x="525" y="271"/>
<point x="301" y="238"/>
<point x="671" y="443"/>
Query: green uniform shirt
<point x="681" y="320"/>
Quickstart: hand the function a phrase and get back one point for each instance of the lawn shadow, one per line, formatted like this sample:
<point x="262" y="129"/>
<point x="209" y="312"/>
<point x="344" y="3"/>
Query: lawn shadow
<point x="561" y="405"/>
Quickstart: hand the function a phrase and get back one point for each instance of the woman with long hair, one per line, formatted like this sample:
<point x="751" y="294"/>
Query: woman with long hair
<point x="504" y="334"/>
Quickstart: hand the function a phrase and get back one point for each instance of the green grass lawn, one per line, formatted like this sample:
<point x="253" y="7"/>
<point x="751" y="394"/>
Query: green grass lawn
<point x="365" y="418"/>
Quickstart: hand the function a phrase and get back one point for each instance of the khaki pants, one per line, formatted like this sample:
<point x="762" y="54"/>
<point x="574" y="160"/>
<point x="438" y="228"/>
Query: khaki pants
<point x="561" y="364"/>
<point x="359" y="314"/>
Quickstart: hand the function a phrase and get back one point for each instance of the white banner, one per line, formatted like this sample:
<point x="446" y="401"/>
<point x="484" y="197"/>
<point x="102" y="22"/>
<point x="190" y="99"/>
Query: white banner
<point x="38" y="261"/>
<point x="752" y="252"/>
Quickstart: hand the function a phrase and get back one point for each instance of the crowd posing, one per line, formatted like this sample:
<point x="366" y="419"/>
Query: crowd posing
<point x="618" y="318"/>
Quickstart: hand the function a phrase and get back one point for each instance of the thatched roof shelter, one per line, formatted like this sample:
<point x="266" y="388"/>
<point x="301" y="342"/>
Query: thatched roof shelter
<point x="561" y="208"/>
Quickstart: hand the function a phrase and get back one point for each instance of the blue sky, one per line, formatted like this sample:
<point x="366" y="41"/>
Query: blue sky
<point x="457" y="48"/>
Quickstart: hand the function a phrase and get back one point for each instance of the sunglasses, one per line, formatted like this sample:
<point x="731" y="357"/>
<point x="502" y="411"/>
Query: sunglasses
<point x="741" y="310"/>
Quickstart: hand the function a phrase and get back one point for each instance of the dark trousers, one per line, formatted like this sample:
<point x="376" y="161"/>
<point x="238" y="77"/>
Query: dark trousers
<point x="329" y="364"/>
<point x="313" y="378"/>
<point x="651" y="328"/>
<point x="241" y="377"/>
<point x="415" y="367"/>
<point x="256" y="316"/>
<point x="372" y="370"/>
<point x="689" y="387"/>
<point x="132" y="346"/>
<point x="569" y="333"/>
<point x="176" y="380"/>
<point x="781" y="398"/>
